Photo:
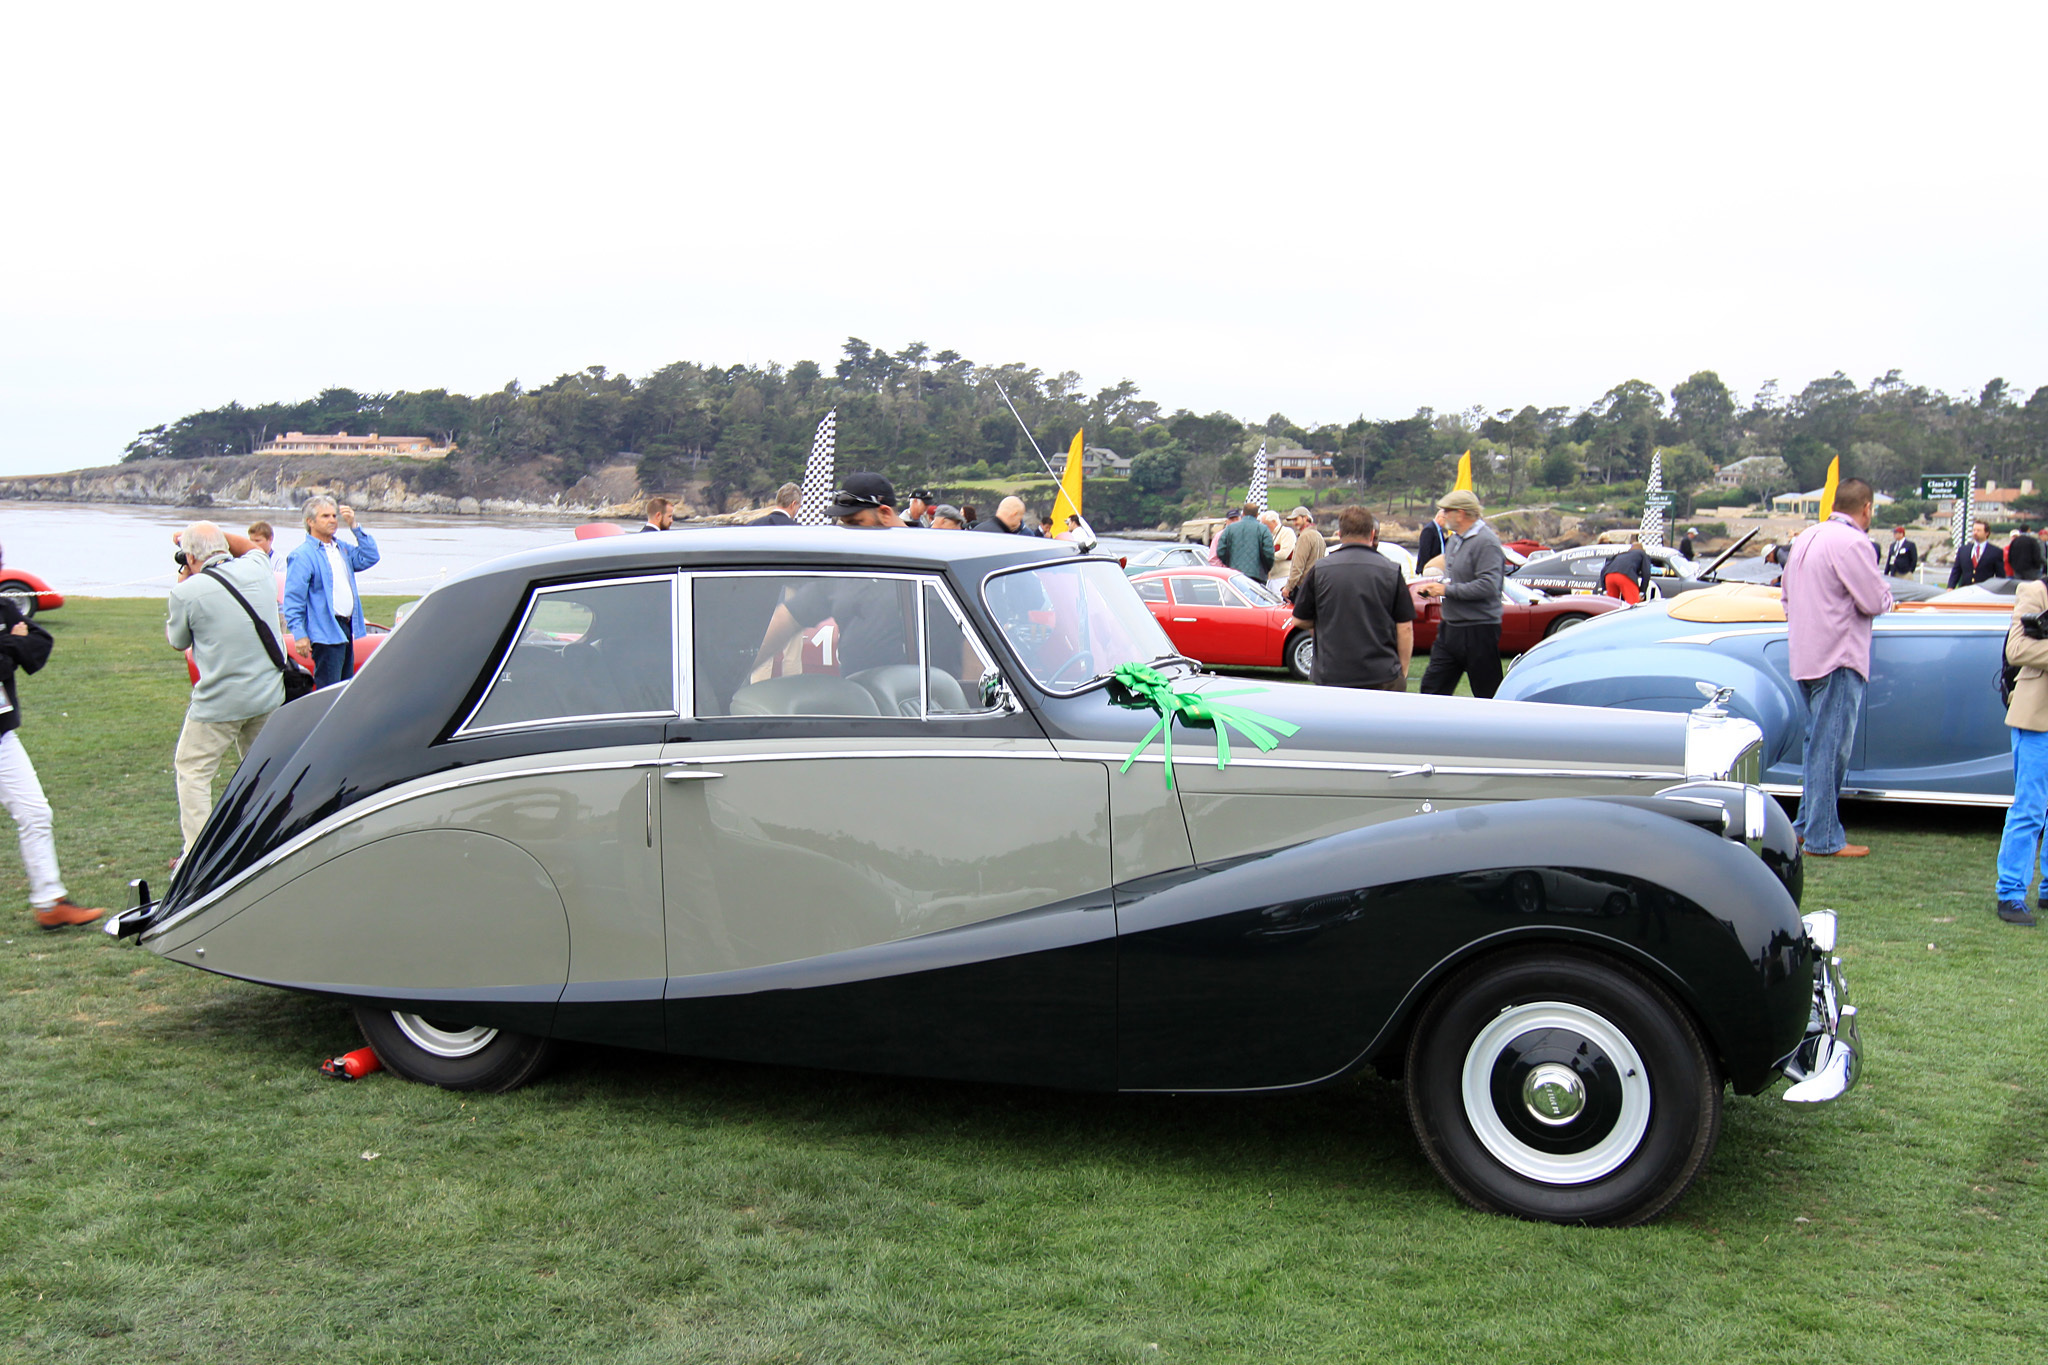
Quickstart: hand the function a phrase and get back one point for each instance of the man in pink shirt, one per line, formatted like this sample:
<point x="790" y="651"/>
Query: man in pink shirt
<point x="1832" y="591"/>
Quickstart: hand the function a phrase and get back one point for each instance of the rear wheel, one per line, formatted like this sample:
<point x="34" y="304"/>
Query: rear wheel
<point x="21" y="595"/>
<point x="453" y="1054"/>
<point x="1566" y="1088"/>
<point x="1559" y="623"/>
<point x="1301" y="653"/>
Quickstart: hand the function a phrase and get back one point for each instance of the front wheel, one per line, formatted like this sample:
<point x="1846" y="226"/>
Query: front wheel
<point x="452" y="1054"/>
<point x="1561" y="1087"/>
<point x="1301" y="654"/>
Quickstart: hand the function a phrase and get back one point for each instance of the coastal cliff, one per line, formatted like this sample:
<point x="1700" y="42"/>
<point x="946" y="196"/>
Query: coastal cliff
<point x="260" y="482"/>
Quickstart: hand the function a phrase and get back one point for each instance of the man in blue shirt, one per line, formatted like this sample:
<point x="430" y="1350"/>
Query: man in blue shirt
<point x="321" y="605"/>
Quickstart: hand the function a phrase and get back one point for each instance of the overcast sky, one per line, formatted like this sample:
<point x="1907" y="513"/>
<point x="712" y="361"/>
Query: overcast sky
<point x="1306" y="209"/>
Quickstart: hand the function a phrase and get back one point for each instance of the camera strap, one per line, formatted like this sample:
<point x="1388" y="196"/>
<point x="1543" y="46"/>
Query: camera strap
<point x="263" y="630"/>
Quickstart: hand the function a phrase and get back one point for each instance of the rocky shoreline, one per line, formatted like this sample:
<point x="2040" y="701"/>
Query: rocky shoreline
<point x="264" y="483"/>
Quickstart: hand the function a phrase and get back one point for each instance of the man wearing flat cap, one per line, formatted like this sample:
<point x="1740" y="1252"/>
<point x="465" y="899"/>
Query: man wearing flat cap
<point x="1468" y="639"/>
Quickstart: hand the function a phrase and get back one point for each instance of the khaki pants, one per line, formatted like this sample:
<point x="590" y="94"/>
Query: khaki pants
<point x="201" y="746"/>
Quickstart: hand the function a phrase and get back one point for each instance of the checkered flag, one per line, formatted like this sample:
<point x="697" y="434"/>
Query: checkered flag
<point x="1964" y="513"/>
<point x="1654" y="503"/>
<point x="1256" y="494"/>
<point x="818" y="476"/>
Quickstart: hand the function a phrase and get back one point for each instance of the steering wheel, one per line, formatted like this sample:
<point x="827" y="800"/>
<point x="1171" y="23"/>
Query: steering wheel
<point x="1083" y="659"/>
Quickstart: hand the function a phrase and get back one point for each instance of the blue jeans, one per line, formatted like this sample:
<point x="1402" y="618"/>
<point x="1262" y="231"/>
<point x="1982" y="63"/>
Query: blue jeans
<point x="1832" y="705"/>
<point x="334" y="663"/>
<point x="2029" y="812"/>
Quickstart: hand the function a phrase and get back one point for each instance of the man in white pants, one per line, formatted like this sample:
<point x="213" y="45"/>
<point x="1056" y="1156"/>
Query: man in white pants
<point x="25" y="648"/>
<point x="239" y="685"/>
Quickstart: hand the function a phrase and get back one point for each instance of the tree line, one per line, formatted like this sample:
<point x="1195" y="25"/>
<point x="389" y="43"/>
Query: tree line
<point x="929" y="417"/>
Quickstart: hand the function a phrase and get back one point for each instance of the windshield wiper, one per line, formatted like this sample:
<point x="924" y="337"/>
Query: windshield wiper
<point x="1158" y="659"/>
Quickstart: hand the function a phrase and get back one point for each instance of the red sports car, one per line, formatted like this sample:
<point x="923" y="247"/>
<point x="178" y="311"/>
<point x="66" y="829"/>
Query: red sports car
<point x="28" y="593"/>
<point x="1219" y="616"/>
<point x="1526" y="615"/>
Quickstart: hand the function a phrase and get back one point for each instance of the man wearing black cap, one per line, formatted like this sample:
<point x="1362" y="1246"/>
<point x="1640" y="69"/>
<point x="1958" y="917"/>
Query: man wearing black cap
<point x="864" y="500"/>
<point x="874" y="615"/>
<point x="919" y="513"/>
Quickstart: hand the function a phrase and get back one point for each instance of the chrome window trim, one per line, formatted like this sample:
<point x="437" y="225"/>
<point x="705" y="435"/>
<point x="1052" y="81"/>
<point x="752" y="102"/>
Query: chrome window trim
<point x="466" y="729"/>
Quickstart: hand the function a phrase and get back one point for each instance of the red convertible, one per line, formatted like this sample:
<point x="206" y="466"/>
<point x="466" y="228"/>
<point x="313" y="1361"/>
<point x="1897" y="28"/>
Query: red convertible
<point x="1526" y="615"/>
<point x="1218" y="616"/>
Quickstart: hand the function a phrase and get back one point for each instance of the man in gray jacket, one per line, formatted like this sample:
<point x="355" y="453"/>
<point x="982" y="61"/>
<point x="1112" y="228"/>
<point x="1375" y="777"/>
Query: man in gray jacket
<point x="238" y="684"/>
<point x="1468" y="638"/>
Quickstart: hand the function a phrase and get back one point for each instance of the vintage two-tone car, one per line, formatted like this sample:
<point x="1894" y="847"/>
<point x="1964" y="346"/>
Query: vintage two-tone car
<point x="1932" y="726"/>
<point x="991" y="826"/>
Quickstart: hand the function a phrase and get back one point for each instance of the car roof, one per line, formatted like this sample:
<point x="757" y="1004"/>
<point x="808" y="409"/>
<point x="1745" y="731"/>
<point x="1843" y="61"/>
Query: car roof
<point x="968" y="553"/>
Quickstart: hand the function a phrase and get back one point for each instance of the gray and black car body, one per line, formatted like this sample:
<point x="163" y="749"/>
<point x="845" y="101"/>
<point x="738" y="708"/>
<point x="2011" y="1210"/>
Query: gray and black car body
<point x="898" y="801"/>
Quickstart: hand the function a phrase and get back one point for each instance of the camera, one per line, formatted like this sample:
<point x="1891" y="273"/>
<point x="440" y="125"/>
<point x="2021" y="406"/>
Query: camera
<point x="2033" y="627"/>
<point x="180" y="558"/>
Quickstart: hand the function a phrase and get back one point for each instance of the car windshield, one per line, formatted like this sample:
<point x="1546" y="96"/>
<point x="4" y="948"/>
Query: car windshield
<point x="1258" y="594"/>
<point x="1072" y="623"/>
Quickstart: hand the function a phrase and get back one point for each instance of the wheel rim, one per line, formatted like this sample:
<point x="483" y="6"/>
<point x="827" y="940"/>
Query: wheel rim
<point x="1556" y="1093"/>
<point x="1305" y="655"/>
<point x="443" y="1039"/>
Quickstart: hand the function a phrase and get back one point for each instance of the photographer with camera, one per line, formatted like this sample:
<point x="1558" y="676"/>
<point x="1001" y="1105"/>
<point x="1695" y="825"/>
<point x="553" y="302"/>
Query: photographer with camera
<point x="239" y="681"/>
<point x="2026" y="715"/>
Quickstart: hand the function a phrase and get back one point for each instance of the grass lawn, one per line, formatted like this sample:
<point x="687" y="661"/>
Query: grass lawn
<point x="177" y="1181"/>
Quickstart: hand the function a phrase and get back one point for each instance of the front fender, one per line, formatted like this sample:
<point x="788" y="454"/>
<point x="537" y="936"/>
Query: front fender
<point x="1292" y="967"/>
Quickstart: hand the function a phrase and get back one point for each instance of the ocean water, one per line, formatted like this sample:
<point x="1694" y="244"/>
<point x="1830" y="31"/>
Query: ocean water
<point x="97" y="550"/>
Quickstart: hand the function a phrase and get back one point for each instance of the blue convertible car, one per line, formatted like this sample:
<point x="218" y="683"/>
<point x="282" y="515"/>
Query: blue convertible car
<point x="1932" y="728"/>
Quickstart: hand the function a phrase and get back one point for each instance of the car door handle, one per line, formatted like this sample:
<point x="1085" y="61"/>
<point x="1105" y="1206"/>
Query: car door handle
<point x="687" y="775"/>
<point x="1190" y="620"/>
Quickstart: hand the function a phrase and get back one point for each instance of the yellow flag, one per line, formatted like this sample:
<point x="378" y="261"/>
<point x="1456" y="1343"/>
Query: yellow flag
<point x="1827" y="492"/>
<point x="1464" y="473"/>
<point x="1068" y="503"/>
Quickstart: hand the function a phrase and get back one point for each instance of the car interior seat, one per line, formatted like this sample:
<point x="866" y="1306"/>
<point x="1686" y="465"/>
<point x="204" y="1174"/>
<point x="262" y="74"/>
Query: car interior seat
<point x="894" y="688"/>
<point x="805" y="694"/>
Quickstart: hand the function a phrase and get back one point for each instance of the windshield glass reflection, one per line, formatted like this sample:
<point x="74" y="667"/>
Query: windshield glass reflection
<point x="1072" y="623"/>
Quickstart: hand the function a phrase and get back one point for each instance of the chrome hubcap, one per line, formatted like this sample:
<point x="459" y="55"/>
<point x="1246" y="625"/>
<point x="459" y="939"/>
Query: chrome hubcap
<point x="1554" y="1094"/>
<point x="443" y="1039"/>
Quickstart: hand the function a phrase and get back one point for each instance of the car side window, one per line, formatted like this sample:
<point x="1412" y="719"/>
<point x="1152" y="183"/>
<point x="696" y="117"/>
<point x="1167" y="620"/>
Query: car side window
<point x="849" y="645"/>
<point x="1198" y="592"/>
<point x="584" y="652"/>
<point x="1151" y="590"/>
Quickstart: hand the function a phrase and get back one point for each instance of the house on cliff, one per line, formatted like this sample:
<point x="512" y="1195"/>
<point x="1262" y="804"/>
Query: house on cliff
<point x="341" y="443"/>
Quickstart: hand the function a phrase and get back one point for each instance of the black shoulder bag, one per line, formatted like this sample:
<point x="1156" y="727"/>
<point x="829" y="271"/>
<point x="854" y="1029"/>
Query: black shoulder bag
<point x="297" y="681"/>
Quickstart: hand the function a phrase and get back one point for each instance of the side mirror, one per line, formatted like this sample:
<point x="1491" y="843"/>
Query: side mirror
<point x="996" y="694"/>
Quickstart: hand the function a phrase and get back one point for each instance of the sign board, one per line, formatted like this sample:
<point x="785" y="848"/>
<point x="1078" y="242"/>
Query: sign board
<point x="1943" y="487"/>
<point x="1657" y="500"/>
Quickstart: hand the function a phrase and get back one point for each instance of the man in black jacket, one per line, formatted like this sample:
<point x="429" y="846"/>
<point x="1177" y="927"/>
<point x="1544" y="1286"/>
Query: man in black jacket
<point x="1979" y="560"/>
<point x="1901" y="557"/>
<point x="25" y="648"/>
<point x="2023" y="555"/>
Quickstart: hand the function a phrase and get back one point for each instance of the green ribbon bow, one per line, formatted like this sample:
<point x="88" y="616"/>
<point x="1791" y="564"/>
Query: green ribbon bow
<point x="1147" y="686"/>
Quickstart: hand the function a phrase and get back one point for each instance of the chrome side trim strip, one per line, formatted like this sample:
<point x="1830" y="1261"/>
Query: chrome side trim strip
<point x="1889" y="794"/>
<point x="1389" y="769"/>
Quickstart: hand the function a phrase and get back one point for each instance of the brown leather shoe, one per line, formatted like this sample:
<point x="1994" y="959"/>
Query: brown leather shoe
<point x="1845" y="851"/>
<point x="63" y="913"/>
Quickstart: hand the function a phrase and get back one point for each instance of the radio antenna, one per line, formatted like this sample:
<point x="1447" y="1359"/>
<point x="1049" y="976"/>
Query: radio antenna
<point x="1049" y="471"/>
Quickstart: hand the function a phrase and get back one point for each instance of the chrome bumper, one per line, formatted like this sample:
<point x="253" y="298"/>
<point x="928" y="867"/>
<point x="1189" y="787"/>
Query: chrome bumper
<point x="1828" y="1061"/>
